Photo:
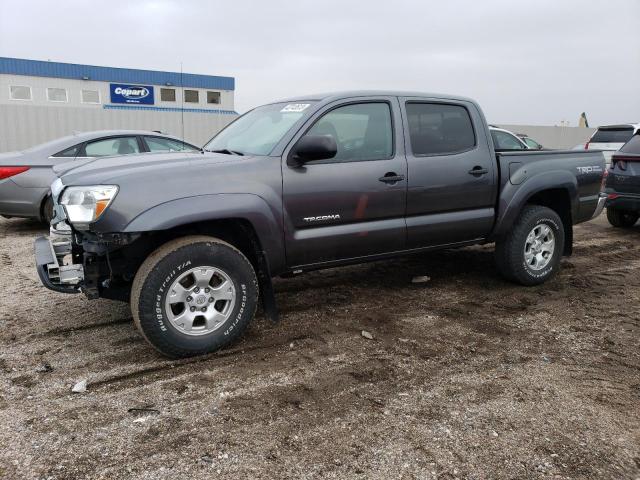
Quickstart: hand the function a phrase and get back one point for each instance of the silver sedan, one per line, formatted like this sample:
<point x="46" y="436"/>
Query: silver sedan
<point x="25" y="176"/>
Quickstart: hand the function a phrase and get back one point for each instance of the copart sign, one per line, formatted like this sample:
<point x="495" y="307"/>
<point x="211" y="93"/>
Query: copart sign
<point x="138" y="94"/>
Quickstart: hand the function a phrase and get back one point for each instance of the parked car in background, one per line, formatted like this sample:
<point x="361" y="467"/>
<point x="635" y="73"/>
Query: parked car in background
<point x="623" y="185"/>
<point x="25" y="177"/>
<point x="504" y="140"/>
<point x="530" y="142"/>
<point x="610" y="138"/>
<point x="304" y="184"/>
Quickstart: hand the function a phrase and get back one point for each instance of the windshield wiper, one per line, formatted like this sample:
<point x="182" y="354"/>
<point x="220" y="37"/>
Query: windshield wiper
<point x="226" y="151"/>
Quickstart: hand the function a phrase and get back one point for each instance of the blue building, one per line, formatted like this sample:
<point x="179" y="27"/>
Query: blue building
<point x="40" y="101"/>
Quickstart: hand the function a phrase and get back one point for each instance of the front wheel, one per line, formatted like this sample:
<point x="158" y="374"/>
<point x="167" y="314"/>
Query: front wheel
<point x="621" y="218"/>
<point x="530" y="253"/>
<point x="47" y="210"/>
<point x="193" y="296"/>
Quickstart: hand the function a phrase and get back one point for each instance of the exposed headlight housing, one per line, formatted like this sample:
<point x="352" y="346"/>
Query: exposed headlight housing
<point x="56" y="187"/>
<point x="84" y="205"/>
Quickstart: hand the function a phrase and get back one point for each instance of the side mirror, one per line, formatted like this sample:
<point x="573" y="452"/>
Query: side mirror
<point x="312" y="147"/>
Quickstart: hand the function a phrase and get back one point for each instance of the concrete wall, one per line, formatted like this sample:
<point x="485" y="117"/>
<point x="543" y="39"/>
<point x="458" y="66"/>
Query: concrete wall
<point x="24" y="126"/>
<point x="554" y="137"/>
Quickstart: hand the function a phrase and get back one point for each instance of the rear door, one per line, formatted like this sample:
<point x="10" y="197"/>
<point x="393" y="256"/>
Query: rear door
<point x="452" y="173"/>
<point x="352" y="205"/>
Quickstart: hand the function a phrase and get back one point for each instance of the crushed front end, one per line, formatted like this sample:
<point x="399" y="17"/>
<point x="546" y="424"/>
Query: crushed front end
<point x="72" y="260"/>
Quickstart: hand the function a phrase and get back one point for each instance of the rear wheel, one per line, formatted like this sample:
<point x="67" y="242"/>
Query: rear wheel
<point x="530" y="253"/>
<point x="193" y="296"/>
<point x="622" y="218"/>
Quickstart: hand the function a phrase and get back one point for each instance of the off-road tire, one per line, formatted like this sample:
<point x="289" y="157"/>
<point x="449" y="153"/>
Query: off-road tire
<point x="509" y="254"/>
<point x="156" y="274"/>
<point x="622" y="218"/>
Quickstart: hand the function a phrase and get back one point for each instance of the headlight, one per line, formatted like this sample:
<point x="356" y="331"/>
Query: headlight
<point x="85" y="204"/>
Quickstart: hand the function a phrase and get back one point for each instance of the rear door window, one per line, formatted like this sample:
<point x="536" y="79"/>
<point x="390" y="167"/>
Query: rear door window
<point x="112" y="146"/>
<point x="159" y="144"/>
<point x="439" y="129"/>
<point x="69" y="152"/>
<point x="612" y="135"/>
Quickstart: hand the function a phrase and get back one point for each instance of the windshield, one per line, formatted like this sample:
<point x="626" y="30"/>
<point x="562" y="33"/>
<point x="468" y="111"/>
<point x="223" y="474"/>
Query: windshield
<point x="532" y="143"/>
<point x="258" y="131"/>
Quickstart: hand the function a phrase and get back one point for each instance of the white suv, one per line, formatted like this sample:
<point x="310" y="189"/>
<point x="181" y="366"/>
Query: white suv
<point x="611" y="138"/>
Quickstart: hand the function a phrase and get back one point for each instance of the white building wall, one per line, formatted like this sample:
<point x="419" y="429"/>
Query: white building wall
<point x="24" y="123"/>
<point x="554" y="137"/>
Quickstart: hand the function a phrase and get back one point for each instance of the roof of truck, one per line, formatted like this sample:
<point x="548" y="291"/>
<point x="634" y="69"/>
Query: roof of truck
<point x="328" y="96"/>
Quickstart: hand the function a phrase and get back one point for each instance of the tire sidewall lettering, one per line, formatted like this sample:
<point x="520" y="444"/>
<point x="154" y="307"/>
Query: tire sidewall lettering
<point x="238" y="317"/>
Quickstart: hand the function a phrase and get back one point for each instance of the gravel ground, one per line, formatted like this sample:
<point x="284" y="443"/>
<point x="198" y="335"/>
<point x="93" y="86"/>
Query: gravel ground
<point x="466" y="376"/>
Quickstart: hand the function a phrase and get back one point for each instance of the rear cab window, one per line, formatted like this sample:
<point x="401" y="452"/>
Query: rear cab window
<point x="439" y="129"/>
<point x="632" y="146"/>
<point x="612" y="135"/>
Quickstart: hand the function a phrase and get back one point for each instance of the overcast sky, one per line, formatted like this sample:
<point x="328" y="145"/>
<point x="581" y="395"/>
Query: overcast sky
<point x="525" y="61"/>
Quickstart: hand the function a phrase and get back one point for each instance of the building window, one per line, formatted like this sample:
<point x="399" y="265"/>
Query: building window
<point x="168" y="94"/>
<point x="57" y="94"/>
<point x="213" y="97"/>
<point x="191" y="96"/>
<point x="90" y="96"/>
<point x="19" y="92"/>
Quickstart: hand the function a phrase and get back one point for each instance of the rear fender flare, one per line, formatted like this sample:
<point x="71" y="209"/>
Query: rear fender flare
<point x="514" y="197"/>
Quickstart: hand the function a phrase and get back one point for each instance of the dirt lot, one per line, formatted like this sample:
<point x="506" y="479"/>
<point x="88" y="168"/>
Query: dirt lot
<point x="467" y="376"/>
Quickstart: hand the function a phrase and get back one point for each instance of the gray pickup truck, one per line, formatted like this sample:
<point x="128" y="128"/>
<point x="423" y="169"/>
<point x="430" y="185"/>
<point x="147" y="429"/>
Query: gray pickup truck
<point x="303" y="184"/>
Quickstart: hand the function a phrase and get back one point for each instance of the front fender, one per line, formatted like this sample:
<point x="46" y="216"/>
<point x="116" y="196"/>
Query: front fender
<point x="514" y="197"/>
<point x="221" y="206"/>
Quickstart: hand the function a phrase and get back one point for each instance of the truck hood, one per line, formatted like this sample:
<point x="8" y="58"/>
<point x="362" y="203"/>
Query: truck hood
<point x="109" y="169"/>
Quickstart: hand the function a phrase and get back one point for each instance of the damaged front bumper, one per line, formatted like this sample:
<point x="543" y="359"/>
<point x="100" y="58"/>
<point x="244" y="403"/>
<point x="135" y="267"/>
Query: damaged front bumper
<point x="54" y="262"/>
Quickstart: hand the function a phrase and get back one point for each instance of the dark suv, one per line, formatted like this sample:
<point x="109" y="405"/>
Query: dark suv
<point x="623" y="185"/>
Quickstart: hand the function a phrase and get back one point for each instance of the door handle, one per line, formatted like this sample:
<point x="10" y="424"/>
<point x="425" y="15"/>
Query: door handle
<point x="391" y="177"/>
<point x="477" y="171"/>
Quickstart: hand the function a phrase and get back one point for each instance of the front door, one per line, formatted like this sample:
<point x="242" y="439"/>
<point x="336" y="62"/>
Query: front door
<point x="451" y="191"/>
<point x="353" y="204"/>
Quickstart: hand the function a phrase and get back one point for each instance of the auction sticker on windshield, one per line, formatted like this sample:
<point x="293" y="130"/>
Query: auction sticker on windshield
<point x="295" y="107"/>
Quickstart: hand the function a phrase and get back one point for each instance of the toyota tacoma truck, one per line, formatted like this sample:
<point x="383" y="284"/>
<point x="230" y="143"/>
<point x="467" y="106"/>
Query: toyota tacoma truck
<point x="302" y="184"/>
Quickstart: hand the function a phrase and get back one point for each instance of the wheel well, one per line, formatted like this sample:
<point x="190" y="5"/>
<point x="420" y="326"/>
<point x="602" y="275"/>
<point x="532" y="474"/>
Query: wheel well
<point x="237" y="231"/>
<point x="558" y="200"/>
<point x="240" y="233"/>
